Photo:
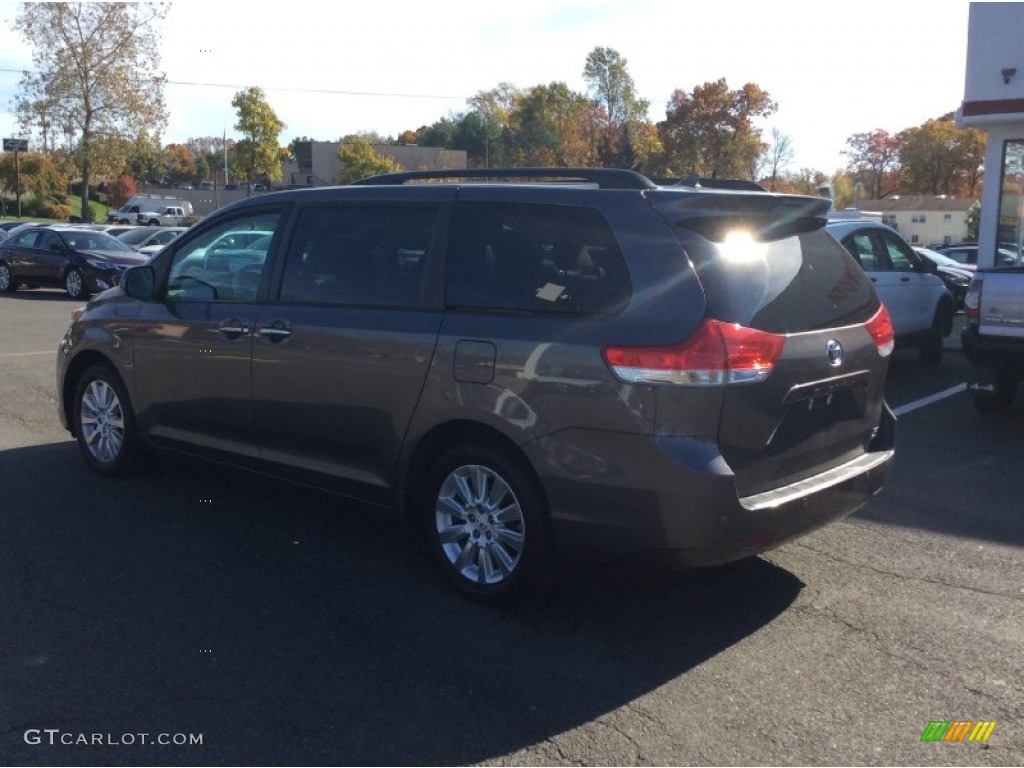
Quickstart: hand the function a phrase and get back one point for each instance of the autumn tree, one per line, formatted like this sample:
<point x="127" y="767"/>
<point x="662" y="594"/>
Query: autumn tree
<point x="359" y="160"/>
<point x="259" y="152"/>
<point x="95" y="76"/>
<point x="938" y="158"/>
<point x="38" y="176"/>
<point x="181" y="164"/>
<point x="872" y="156"/>
<point x="711" y="131"/>
<point x="120" y="190"/>
<point x="613" y="90"/>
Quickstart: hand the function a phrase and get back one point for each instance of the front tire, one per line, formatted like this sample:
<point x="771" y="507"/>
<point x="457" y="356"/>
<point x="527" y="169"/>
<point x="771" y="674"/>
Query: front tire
<point x="105" y="423"/>
<point x="7" y="282"/>
<point x="74" y="284"/>
<point x="486" y="522"/>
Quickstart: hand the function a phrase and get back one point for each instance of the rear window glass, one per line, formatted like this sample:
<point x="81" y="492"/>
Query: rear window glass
<point x="535" y="258"/>
<point x="797" y="283"/>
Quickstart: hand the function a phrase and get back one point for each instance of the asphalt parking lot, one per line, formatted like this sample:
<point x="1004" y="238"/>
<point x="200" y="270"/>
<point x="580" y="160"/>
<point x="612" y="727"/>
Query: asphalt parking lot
<point x="282" y="628"/>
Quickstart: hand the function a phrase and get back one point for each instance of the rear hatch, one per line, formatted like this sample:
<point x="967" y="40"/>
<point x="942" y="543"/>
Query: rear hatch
<point x="1001" y="310"/>
<point x="808" y="339"/>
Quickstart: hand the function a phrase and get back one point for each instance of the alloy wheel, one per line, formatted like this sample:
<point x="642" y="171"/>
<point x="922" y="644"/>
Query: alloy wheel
<point x="480" y="525"/>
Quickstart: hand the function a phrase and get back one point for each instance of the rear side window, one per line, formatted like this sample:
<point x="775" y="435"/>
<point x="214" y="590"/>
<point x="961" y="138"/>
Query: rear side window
<point x="366" y="254"/>
<point x="534" y="258"/>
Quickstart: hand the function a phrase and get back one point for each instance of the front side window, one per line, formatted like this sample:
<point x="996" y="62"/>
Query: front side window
<point x="900" y="256"/>
<point x="226" y="262"/>
<point x="359" y="254"/>
<point x="534" y="258"/>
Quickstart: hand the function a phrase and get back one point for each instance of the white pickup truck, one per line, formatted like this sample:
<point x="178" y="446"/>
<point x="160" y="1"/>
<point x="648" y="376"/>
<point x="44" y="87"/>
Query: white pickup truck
<point x="168" y="216"/>
<point x="993" y="336"/>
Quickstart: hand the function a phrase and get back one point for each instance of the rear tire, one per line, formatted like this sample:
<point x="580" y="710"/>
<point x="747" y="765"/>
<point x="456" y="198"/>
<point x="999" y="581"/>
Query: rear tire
<point x="486" y="522"/>
<point x="1001" y="401"/>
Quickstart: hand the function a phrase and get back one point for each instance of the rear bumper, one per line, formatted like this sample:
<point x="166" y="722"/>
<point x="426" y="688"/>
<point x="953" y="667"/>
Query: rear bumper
<point x="674" y="499"/>
<point x="1002" y="353"/>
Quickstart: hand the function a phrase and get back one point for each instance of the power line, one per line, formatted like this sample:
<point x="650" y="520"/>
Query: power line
<point x="330" y="91"/>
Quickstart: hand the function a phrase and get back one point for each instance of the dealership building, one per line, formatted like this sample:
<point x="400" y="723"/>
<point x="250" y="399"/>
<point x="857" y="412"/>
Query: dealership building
<point x="994" y="103"/>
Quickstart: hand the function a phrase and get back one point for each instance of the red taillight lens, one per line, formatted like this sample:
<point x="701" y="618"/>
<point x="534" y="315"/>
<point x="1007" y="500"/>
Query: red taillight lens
<point x="716" y="353"/>
<point x="880" y="328"/>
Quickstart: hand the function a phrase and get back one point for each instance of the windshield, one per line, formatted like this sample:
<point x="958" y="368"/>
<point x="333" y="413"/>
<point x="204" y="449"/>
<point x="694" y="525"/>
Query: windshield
<point x="87" y="240"/>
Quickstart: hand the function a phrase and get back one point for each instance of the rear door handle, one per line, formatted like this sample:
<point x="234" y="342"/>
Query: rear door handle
<point x="276" y="332"/>
<point x="904" y="279"/>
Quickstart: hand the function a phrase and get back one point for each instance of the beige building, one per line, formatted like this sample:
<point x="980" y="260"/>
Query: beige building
<point x="317" y="163"/>
<point x="924" y="219"/>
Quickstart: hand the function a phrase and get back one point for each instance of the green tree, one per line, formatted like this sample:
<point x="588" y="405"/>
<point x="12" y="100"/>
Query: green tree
<point x="259" y="153"/>
<point x="552" y="125"/>
<point x="96" y="75"/>
<point x="612" y="88"/>
<point x="359" y="159"/>
<point x="711" y="131"/>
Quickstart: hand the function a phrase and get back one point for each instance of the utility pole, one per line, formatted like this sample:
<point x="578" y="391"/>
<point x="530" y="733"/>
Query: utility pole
<point x="16" y="146"/>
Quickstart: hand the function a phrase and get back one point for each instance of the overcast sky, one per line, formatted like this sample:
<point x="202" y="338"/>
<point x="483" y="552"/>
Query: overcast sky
<point x="834" y="69"/>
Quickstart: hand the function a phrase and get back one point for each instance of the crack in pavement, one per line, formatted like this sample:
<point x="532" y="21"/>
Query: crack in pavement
<point x="906" y="577"/>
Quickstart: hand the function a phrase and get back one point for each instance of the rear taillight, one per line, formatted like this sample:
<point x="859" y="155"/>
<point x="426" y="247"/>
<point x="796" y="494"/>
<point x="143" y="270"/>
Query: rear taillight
<point x="972" y="302"/>
<point x="880" y="328"/>
<point x="715" y="354"/>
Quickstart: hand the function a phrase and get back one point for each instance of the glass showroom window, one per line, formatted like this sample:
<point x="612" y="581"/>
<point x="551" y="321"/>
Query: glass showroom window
<point x="1011" y="205"/>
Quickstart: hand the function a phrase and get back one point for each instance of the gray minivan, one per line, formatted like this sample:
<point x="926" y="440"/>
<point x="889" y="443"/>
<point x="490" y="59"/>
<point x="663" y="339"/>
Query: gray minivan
<point x="531" y="371"/>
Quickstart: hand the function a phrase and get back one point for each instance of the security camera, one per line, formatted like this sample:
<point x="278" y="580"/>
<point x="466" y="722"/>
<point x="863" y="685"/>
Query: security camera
<point x="1008" y="73"/>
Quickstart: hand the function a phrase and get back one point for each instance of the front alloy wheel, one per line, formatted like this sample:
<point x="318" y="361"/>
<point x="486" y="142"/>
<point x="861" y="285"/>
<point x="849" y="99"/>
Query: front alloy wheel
<point x="104" y="422"/>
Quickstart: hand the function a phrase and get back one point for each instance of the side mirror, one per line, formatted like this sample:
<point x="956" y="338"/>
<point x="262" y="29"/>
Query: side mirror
<point x="139" y="283"/>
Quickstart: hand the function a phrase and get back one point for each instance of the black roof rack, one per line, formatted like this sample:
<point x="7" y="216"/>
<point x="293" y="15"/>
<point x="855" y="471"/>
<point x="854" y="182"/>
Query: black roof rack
<point x="605" y="178"/>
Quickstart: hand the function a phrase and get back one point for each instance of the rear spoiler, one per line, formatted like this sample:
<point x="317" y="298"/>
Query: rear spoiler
<point x="765" y="216"/>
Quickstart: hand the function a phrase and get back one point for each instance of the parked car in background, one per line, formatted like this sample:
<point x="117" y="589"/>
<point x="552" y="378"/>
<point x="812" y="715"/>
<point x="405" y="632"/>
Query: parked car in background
<point x="531" y="371"/>
<point x="159" y="239"/>
<point x="955" y="275"/>
<point x="140" y="237"/>
<point x="919" y="303"/>
<point x="168" y="216"/>
<point x="967" y="254"/>
<point x="205" y="185"/>
<point x="81" y="261"/>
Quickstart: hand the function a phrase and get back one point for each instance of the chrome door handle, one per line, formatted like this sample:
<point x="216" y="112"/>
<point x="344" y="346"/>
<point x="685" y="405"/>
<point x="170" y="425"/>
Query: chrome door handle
<point x="239" y="329"/>
<point x="275" y="334"/>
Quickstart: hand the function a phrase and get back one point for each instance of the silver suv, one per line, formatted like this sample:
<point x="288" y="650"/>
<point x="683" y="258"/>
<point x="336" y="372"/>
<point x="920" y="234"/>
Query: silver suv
<point x="530" y="371"/>
<point x="919" y="303"/>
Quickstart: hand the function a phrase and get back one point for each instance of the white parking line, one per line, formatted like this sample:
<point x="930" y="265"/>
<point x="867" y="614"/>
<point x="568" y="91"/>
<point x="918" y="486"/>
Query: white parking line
<point x="913" y="406"/>
<point x="25" y="354"/>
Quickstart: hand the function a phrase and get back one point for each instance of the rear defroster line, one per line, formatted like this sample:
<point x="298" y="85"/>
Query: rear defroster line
<point x="914" y="405"/>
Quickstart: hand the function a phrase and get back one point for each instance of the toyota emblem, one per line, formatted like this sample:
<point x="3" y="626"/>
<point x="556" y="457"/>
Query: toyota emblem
<point x="834" y="352"/>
